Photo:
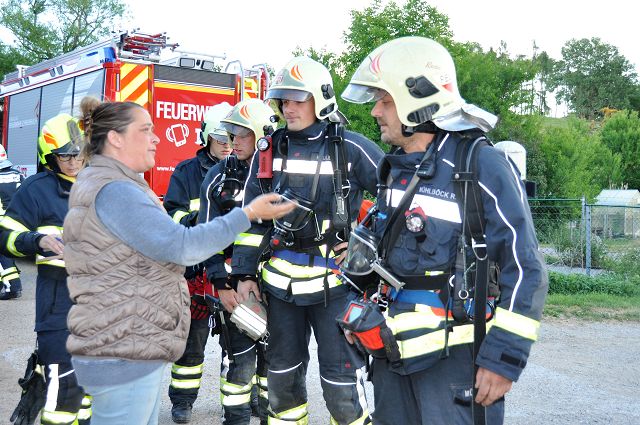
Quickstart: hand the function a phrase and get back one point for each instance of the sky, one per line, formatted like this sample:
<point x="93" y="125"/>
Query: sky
<point x="258" y="31"/>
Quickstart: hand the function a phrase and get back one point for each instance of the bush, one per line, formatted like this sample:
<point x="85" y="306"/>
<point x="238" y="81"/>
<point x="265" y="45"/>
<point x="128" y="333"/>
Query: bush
<point x="628" y="264"/>
<point x="611" y="284"/>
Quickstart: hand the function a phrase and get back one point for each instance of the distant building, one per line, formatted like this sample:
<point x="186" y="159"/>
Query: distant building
<point x="617" y="213"/>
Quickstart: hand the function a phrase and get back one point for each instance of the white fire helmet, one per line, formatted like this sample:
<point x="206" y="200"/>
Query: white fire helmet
<point x="420" y="76"/>
<point x="301" y="79"/>
<point x="211" y="124"/>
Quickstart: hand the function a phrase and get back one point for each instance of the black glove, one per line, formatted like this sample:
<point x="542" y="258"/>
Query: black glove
<point x="34" y="392"/>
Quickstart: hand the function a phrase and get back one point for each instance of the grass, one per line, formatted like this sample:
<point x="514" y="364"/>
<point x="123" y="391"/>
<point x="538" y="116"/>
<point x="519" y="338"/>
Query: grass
<point x="593" y="306"/>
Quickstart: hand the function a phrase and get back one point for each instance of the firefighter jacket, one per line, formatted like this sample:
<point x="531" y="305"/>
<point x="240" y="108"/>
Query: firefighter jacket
<point x="417" y="316"/>
<point x="10" y="180"/>
<point x="305" y="273"/>
<point x="127" y="305"/>
<point x="38" y="208"/>
<point x="182" y="200"/>
<point x="213" y="195"/>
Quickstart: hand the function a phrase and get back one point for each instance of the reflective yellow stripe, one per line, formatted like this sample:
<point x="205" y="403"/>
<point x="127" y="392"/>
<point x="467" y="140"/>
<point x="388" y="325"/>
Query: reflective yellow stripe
<point x="262" y="381"/>
<point x="294" y="270"/>
<point x="248" y="239"/>
<point x="185" y="383"/>
<point x="11" y="244"/>
<point x="194" y="205"/>
<point x="12" y="224"/>
<point x="517" y="324"/>
<point x="10" y="276"/>
<point x="360" y="421"/>
<point x="297" y="414"/>
<point x="50" y="230"/>
<point x="44" y="261"/>
<point x="187" y="370"/>
<point x="434" y="341"/>
<point x="430" y="273"/>
<point x="178" y="216"/>
<point x="233" y="394"/>
<point x="84" y="413"/>
<point x="56" y="417"/>
<point x="423" y="317"/>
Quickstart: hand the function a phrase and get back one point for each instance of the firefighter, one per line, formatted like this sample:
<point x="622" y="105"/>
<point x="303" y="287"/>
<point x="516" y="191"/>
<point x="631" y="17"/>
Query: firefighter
<point x="324" y="171"/>
<point x="248" y="121"/>
<point x="423" y="118"/>
<point x="32" y="226"/>
<point x="182" y="202"/>
<point x="10" y="180"/>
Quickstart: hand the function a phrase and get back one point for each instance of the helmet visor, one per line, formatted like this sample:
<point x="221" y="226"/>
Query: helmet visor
<point x="289" y="94"/>
<point x="68" y="149"/>
<point x="220" y="138"/>
<point x="357" y="93"/>
<point x="235" y="129"/>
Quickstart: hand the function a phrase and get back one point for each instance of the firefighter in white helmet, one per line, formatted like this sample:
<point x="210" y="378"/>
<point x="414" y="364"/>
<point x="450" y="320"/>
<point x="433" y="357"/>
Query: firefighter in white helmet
<point x="182" y="202"/>
<point x="425" y="372"/>
<point x="222" y="190"/>
<point x="325" y="170"/>
<point x="10" y="180"/>
<point x="32" y="227"/>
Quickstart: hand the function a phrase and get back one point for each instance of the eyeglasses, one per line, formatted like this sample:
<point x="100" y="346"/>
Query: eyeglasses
<point x="67" y="157"/>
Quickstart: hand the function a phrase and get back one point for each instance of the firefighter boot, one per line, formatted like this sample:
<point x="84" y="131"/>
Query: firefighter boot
<point x="181" y="412"/>
<point x="9" y="294"/>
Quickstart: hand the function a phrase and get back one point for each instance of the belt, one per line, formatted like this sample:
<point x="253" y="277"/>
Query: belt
<point x="429" y="298"/>
<point x="301" y="259"/>
<point x="430" y="283"/>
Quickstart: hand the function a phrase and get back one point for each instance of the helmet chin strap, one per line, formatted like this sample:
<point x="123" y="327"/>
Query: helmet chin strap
<point x="426" y="127"/>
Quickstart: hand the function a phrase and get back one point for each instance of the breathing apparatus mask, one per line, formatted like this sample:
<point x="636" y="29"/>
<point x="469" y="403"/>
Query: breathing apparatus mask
<point x="230" y="185"/>
<point x="362" y="252"/>
<point x="294" y="221"/>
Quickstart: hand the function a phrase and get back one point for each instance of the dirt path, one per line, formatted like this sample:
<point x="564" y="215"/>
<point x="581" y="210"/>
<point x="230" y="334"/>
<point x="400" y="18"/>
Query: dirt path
<point x="578" y="373"/>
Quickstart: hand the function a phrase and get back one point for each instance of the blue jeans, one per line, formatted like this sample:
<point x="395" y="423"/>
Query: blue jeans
<point x="133" y="403"/>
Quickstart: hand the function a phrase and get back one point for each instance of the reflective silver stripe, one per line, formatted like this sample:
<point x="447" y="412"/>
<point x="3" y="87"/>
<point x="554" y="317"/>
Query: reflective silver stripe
<point x="432" y="207"/>
<point x="295" y="270"/>
<point x="309" y="286"/>
<point x="299" y="166"/>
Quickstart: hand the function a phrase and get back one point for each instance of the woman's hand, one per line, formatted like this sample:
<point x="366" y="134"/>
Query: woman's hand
<point x="268" y="207"/>
<point x="52" y="243"/>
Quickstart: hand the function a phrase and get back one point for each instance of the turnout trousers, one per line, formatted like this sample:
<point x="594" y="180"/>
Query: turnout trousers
<point x="247" y="369"/>
<point x="439" y="395"/>
<point x="186" y="372"/>
<point x="341" y="366"/>
<point x="66" y="401"/>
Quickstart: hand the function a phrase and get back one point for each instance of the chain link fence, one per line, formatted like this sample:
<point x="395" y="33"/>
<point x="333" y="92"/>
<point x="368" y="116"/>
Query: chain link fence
<point x="589" y="238"/>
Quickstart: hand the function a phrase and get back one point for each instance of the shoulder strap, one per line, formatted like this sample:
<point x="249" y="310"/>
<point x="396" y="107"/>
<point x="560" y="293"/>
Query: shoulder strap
<point x="467" y="189"/>
<point x="337" y="153"/>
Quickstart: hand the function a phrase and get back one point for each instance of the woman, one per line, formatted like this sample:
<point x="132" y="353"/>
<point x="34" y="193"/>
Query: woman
<point x="32" y="226"/>
<point x="126" y="258"/>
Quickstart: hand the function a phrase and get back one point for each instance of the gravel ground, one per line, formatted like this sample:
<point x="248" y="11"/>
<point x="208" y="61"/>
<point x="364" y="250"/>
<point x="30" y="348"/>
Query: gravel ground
<point x="578" y="373"/>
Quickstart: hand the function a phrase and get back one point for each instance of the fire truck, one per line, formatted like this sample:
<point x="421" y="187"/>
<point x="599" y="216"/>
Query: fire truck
<point x="127" y="67"/>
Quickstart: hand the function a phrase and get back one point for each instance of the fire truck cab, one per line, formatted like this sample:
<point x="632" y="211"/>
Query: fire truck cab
<point x="127" y="67"/>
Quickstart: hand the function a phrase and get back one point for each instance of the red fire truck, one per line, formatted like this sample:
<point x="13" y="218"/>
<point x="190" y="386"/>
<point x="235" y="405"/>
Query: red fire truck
<point x="127" y="67"/>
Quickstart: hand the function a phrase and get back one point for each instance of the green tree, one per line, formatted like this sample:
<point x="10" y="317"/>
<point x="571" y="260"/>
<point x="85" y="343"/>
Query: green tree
<point x="577" y="163"/>
<point x="44" y="29"/>
<point x="621" y="133"/>
<point x="492" y="80"/>
<point x="9" y="58"/>
<point x="593" y="75"/>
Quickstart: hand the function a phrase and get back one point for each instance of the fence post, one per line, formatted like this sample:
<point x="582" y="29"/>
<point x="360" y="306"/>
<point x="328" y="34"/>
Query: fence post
<point x="588" y="238"/>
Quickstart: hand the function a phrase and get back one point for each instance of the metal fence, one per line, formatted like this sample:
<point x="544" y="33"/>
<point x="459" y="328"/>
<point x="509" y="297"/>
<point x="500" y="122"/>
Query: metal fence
<point x="590" y="238"/>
